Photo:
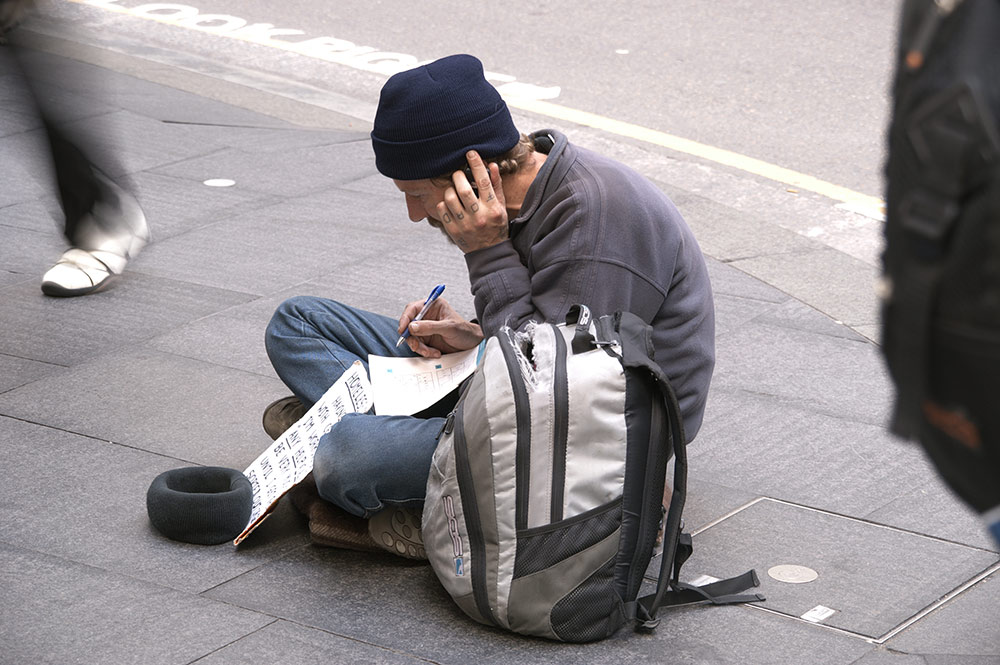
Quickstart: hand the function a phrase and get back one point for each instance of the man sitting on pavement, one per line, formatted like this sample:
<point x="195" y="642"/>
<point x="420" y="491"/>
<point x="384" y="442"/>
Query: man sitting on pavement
<point x="545" y="225"/>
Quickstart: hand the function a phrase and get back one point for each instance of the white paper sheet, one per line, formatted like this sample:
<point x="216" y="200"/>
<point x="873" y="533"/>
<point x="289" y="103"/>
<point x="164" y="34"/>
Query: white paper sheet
<point x="290" y="457"/>
<point x="404" y="386"/>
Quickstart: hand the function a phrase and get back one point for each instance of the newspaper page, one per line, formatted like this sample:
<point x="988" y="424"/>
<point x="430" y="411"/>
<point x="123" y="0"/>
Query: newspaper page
<point x="290" y="457"/>
<point x="404" y="386"/>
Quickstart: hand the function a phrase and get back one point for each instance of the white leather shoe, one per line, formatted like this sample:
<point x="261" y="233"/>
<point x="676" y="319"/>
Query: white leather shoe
<point x="80" y="272"/>
<point x="101" y="256"/>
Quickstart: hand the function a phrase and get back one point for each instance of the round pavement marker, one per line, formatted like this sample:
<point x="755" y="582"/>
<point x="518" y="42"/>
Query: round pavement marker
<point x="793" y="574"/>
<point x="219" y="182"/>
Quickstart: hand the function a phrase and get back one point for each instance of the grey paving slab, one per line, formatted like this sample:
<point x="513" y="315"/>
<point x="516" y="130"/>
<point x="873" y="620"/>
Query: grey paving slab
<point x="733" y="312"/>
<point x="286" y="643"/>
<point x="66" y="90"/>
<point x="875" y="578"/>
<point x="833" y="282"/>
<point x="185" y="409"/>
<point x="837" y="376"/>
<point x="220" y="340"/>
<point x="127" y="142"/>
<point x="287" y="173"/>
<point x="263" y="250"/>
<point x="25" y="253"/>
<point x="895" y="658"/>
<point x="15" y="121"/>
<point x="933" y="508"/>
<point x="257" y="312"/>
<point x="25" y="169"/>
<point x="67" y="106"/>
<point x="969" y="625"/>
<point x="762" y="444"/>
<point x="799" y="316"/>
<point x="70" y="613"/>
<point x="872" y="332"/>
<point x="261" y="138"/>
<point x="69" y="330"/>
<point x="84" y="500"/>
<point x="146" y="98"/>
<point x="68" y="75"/>
<point x="728" y="279"/>
<point x="707" y="502"/>
<point x="8" y="278"/>
<point x="375" y="185"/>
<point x="387" y="283"/>
<point x="16" y="371"/>
<point x="42" y="215"/>
<point x="379" y="601"/>
<point x="174" y="206"/>
<point x="885" y="657"/>
<point x="368" y="215"/>
<point x="728" y="234"/>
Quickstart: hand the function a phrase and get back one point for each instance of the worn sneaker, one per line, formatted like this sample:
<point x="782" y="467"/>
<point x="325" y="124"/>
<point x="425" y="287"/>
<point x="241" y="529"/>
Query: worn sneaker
<point x="282" y="414"/>
<point x="397" y="530"/>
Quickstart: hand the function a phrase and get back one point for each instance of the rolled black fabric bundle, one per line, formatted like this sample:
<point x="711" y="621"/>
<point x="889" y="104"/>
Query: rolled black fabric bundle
<point x="205" y="505"/>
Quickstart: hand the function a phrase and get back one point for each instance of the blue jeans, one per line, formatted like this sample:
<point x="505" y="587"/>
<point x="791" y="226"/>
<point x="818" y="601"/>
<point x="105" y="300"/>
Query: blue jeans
<point x="365" y="461"/>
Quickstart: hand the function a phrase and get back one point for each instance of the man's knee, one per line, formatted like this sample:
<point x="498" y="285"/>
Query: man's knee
<point x="287" y="322"/>
<point x="346" y="464"/>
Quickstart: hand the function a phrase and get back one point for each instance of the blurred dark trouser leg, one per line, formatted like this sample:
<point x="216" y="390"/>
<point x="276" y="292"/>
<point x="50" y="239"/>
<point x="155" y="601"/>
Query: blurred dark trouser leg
<point x="104" y="223"/>
<point x="78" y="188"/>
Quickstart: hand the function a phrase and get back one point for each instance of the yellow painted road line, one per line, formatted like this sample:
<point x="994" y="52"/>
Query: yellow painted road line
<point x="870" y="206"/>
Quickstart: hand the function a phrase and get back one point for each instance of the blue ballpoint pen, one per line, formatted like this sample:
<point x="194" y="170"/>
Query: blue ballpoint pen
<point x="438" y="290"/>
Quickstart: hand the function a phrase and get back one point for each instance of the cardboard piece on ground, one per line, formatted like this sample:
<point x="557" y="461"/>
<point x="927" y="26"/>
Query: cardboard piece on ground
<point x="290" y="457"/>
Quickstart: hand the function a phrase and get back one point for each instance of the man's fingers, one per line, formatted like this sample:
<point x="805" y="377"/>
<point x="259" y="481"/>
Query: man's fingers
<point x="425" y="328"/>
<point x="496" y="182"/>
<point x="409" y="312"/>
<point x="419" y="347"/>
<point x="480" y="173"/>
<point x="453" y="206"/>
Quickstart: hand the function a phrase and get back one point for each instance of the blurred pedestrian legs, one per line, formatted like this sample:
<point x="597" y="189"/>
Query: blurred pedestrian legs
<point x="104" y="224"/>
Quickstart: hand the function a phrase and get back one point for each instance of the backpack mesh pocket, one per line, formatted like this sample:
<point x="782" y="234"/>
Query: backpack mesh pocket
<point x="541" y="547"/>
<point x="592" y="611"/>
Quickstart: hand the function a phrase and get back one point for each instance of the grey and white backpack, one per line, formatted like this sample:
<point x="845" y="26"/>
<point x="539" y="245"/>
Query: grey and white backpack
<point x="545" y="491"/>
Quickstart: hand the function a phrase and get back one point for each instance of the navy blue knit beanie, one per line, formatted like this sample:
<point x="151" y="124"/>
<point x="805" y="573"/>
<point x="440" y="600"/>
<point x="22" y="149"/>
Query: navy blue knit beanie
<point x="430" y="116"/>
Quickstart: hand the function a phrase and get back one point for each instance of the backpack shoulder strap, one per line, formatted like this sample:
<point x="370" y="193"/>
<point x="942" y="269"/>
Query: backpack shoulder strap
<point x="637" y="353"/>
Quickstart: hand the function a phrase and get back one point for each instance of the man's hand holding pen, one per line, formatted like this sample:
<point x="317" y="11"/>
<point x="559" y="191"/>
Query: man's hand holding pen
<point x="475" y="219"/>
<point x="441" y="330"/>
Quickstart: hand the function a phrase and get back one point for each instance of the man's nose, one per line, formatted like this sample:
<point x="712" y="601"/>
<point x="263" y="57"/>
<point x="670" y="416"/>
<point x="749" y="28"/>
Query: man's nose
<point x="415" y="210"/>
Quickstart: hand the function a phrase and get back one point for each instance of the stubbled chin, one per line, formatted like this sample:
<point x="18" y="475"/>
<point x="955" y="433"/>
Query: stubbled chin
<point x="440" y="227"/>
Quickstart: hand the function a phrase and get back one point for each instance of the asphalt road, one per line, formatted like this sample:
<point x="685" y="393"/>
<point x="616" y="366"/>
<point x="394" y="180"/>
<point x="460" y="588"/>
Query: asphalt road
<point x="800" y="84"/>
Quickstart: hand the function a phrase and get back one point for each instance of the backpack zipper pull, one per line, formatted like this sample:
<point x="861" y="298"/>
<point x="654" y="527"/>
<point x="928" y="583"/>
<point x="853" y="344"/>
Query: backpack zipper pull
<point x="449" y="425"/>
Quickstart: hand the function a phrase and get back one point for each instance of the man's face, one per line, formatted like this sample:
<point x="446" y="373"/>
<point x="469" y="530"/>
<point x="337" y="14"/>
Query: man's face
<point x="422" y="198"/>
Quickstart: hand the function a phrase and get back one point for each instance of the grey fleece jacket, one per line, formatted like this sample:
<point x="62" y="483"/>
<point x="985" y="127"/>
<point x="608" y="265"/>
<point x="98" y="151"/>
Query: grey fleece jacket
<point x="595" y="232"/>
